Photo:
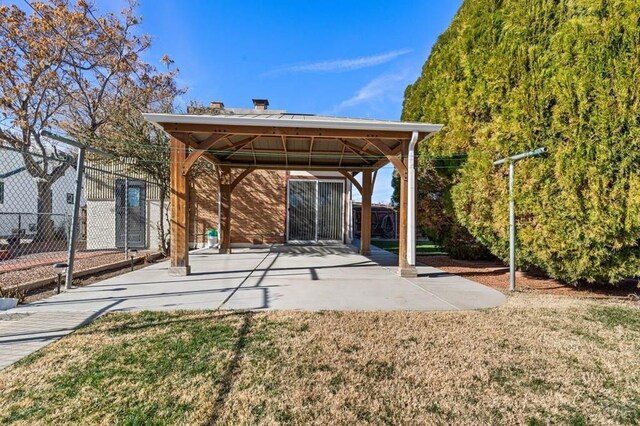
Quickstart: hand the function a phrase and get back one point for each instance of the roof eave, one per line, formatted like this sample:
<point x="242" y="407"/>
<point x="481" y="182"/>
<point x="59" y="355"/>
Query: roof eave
<point x="311" y="123"/>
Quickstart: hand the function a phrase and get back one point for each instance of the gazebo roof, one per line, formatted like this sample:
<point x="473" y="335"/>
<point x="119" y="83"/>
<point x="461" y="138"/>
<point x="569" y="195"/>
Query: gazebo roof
<point x="279" y="140"/>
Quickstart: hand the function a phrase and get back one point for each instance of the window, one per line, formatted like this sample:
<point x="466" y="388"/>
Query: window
<point x="134" y="196"/>
<point x="69" y="198"/>
<point x="1" y="192"/>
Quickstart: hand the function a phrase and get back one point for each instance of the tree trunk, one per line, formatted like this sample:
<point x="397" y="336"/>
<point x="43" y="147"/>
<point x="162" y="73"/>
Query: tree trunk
<point x="164" y="248"/>
<point x="45" y="230"/>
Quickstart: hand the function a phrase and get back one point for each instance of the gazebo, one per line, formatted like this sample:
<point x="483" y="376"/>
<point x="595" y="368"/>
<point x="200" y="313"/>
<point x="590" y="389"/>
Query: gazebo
<point x="238" y="144"/>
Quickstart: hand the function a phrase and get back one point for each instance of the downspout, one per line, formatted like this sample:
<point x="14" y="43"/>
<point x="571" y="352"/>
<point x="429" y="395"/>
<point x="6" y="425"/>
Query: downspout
<point x="411" y="201"/>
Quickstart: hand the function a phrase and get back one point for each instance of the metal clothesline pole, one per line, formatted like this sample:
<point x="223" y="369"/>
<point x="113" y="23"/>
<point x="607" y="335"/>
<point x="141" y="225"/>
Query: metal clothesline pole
<point x="512" y="209"/>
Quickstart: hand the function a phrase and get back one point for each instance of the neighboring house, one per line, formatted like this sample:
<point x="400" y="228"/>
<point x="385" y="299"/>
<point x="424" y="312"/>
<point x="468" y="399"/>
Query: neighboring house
<point x="19" y="197"/>
<point x="272" y="206"/>
<point x="123" y="207"/>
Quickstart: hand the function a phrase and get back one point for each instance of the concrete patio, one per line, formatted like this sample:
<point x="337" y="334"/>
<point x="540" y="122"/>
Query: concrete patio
<point x="281" y="277"/>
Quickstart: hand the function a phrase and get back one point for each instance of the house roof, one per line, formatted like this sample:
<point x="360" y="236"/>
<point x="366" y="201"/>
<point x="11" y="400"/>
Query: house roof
<point x="294" y="120"/>
<point x="291" y="141"/>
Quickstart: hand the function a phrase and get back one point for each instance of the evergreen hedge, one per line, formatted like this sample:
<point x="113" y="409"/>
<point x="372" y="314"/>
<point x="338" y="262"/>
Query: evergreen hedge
<point x="508" y="76"/>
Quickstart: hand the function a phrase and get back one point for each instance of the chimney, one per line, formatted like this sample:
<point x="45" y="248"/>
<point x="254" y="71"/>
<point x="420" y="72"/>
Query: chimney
<point x="260" y="104"/>
<point x="216" y="105"/>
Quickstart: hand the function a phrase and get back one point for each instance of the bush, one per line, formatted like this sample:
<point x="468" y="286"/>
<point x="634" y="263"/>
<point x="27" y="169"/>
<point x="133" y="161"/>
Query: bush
<point x="510" y="76"/>
<point x="435" y="213"/>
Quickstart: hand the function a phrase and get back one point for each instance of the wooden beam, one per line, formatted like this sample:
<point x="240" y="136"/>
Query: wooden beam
<point x="284" y="147"/>
<point x="351" y="148"/>
<point x="297" y="166"/>
<point x="253" y="152"/>
<point x="284" y="131"/>
<point x="352" y="179"/>
<point x="389" y="153"/>
<point x="396" y="151"/>
<point x="239" y="145"/>
<point x="179" y="201"/>
<point x="241" y="176"/>
<point x="298" y="152"/>
<point x="365" y="217"/>
<point x="200" y="150"/>
<point x="225" y="210"/>
<point x="188" y="142"/>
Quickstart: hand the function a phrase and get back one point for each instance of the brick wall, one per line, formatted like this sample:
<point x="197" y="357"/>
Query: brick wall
<point x="258" y="208"/>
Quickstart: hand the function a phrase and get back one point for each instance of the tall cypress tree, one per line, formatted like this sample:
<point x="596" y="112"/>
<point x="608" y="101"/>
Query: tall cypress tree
<point x="508" y="76"/>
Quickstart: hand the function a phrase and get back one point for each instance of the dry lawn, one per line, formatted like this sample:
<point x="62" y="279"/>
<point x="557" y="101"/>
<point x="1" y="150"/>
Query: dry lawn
<point x="536" y="360"/>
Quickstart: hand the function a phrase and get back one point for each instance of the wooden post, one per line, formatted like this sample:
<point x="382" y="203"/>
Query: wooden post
<point x="404" y="269"/>
<point x="225" y="219"/>
<point x="179" y="210"/>
<point x="365" y="221"/>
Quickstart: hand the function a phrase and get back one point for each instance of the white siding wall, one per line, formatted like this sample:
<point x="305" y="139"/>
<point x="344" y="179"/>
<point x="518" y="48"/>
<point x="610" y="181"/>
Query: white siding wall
<point x="101" y="225"/>
<point x="21" y="195"/>
<point x="153" y="221"/>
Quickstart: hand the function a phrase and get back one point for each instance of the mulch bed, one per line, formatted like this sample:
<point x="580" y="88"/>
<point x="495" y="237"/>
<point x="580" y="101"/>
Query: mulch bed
<point x="47" y="258"/>
<point x="496" y="274"/>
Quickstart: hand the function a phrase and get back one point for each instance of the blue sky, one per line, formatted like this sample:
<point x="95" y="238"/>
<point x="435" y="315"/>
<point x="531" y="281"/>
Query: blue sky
<point x="347" y="58"/>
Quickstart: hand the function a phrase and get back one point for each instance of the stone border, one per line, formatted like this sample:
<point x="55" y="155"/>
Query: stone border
<point x="37" y="284"/>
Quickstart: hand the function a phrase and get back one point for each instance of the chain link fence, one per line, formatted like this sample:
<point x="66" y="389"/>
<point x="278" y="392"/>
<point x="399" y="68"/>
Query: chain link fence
<point x="121" y="214"/>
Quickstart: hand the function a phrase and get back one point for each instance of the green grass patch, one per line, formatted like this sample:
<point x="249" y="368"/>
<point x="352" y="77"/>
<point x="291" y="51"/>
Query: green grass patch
<point x="614" y="316"/>
<point x="423" y="248"/>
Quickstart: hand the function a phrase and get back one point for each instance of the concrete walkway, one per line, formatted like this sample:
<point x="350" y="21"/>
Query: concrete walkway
<point x="21" y="334"/>
<point x="282" y="277"/>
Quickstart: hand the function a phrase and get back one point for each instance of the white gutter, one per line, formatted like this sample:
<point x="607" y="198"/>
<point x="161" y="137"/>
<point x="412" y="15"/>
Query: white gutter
<point x="411" y="202"/>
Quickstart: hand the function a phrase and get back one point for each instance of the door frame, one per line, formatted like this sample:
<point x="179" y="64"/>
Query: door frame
<point x="127" y="183"/>
<point x="316" y="181"/>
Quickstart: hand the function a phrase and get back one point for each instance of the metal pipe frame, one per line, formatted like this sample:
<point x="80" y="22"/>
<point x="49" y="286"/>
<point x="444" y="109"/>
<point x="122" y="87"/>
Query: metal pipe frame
<point x="512" y="208"/>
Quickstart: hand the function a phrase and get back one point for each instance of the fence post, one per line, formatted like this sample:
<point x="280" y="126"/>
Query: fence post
<point x="126" y="217"/>
<point x="74" y="219"/>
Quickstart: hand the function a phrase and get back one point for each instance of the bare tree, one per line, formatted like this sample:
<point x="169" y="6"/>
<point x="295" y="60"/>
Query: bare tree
<point x="128" y="134"/>
<point x="64" y="66"/>
<point x="32" y="79"/>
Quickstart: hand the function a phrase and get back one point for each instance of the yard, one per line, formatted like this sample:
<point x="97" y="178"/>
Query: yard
<point x="537" y="359"/>
<point x="423" y="247"/>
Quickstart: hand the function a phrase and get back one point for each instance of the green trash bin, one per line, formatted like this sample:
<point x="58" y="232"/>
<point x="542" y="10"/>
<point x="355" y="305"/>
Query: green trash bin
<point x="212" y="235"/>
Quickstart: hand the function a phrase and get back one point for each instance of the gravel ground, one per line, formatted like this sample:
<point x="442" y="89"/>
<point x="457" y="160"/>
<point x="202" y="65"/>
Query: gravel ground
<point x="12" y="278"/>
<point x="47" y="258"/>
<point x="495" y="274"/>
